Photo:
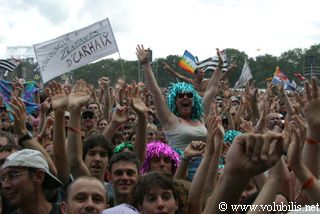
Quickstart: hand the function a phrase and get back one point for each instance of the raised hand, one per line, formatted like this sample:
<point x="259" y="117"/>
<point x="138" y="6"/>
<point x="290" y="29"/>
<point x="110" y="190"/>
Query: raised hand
<point x="251" y="91"/>
<point x="275" y="107"/>
<point x="226" y="106"/>
<point x="58" y="97"/>
<point x="131" y="91"/>
<point x="233" y="65"/>
<point x="252" y="154"/>
<point x="18" y="87"/>
<point x="80" y="95"/>
<point x="104" y="83"/>
<point x="194" y="149"/>
<point x="120" y="116"/>
<point x="5" y="120"/>
<point x="215" y="134"/>
<point x="67" y="88"/>
<point x="246" y="126"/>
<point x="18" y="110"/>
<point x="220" y="63"/>
<point x="45" y="105"/>
<point x="142" y="54"/>
<point x="141" y="90"/>
<point x="297" y="130"/>
<point x="46" y="129"/>
<point x="299" y="100"/>
<point x="311" y="109"/>
<point x="138" y="106"/>
<point x="225" y="89"/>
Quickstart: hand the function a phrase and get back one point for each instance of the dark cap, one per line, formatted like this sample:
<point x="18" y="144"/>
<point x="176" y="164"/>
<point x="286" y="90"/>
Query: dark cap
<point x="87" y="112"/>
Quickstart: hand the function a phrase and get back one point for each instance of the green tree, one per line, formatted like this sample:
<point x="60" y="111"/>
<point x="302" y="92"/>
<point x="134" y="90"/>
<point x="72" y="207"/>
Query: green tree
<point x="238" y="57"/>
<point x="263" y="67"/>
<point x="291" y="62"/>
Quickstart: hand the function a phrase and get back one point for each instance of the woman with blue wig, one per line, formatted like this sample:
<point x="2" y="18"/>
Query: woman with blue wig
<point x="181" y="115"/>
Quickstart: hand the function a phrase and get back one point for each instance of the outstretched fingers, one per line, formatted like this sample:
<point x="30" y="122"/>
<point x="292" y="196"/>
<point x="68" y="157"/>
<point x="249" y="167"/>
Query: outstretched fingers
<point x="266" y="147"/>
<point x="276" y="148"/>
<point x="307" y="90"/>
<point x="314" y="88"/>
<point x="17" y="108"/>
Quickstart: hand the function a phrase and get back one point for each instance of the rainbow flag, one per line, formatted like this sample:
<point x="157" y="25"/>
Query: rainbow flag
<point x="188" y="62"/>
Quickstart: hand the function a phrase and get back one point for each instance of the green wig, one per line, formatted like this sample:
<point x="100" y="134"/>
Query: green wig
<point x="122" y="146"/>
<point x="182" y="87"/>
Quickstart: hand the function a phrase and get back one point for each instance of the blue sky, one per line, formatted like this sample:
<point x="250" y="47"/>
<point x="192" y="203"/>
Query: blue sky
<point x="168" y="26"/>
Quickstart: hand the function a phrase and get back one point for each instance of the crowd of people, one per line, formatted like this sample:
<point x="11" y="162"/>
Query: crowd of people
<point x="139" y="148"/>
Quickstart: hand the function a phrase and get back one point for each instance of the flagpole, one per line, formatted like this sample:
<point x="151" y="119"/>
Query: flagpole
<point x="121" y="63"/>
<point x="71" y="77"/>
<point x="14" y="74"/>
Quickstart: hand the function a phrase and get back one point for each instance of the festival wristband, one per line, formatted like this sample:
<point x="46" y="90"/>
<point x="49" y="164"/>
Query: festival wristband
<point x="144" y="62"/>
<point x="310" y="141"/>
<point x="74" y="130"/>
<point x="308" y="183"/>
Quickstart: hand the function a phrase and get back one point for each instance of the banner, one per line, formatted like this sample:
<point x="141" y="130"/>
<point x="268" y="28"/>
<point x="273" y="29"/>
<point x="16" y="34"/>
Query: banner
<point x="27" y="95"/>
<point x="9" y="65"/>
<point x="290" y="86"/>
<point x="212" y="63"/>
<point x="75" y="49"/>
<point x="245" y="76"/>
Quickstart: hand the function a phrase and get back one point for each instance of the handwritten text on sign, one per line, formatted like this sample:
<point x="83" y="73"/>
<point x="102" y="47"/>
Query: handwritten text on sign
<point x="75" y="49"/>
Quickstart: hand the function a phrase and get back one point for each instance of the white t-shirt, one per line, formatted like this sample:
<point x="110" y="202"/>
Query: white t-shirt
<point x="121" y="209"/>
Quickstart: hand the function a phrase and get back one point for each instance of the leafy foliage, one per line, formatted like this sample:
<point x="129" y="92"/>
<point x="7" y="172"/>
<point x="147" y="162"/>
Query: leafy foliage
<point x="262" y="67"/>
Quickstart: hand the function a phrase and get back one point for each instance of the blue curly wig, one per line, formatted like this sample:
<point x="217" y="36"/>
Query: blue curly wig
<point x="230" y="135"/>
<point x="182" y="87"/>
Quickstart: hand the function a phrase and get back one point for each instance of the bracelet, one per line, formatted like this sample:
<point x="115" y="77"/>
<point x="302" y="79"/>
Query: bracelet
<point x="144" y="62"/>
<point x="310" y="141"/>
<point x="184" y="158"/>
<point x="308" y="183"/>
<point x="74" y="130"/>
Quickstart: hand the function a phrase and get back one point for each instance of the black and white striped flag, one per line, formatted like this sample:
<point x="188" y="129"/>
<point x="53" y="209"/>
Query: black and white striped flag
<point x="9" y="65"/>
<point x="212" y="63"/>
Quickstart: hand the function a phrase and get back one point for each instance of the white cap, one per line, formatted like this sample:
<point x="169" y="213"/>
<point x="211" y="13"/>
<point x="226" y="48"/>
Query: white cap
<point x="32" y="159"/>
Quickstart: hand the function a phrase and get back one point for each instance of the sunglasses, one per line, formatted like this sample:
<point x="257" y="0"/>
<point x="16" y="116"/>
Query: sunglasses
<point x="126" y="133"/>
<point x="182" y="95"/>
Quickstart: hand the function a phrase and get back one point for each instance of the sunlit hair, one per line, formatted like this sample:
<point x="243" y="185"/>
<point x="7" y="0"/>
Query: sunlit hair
<point x="182" y="87"/>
